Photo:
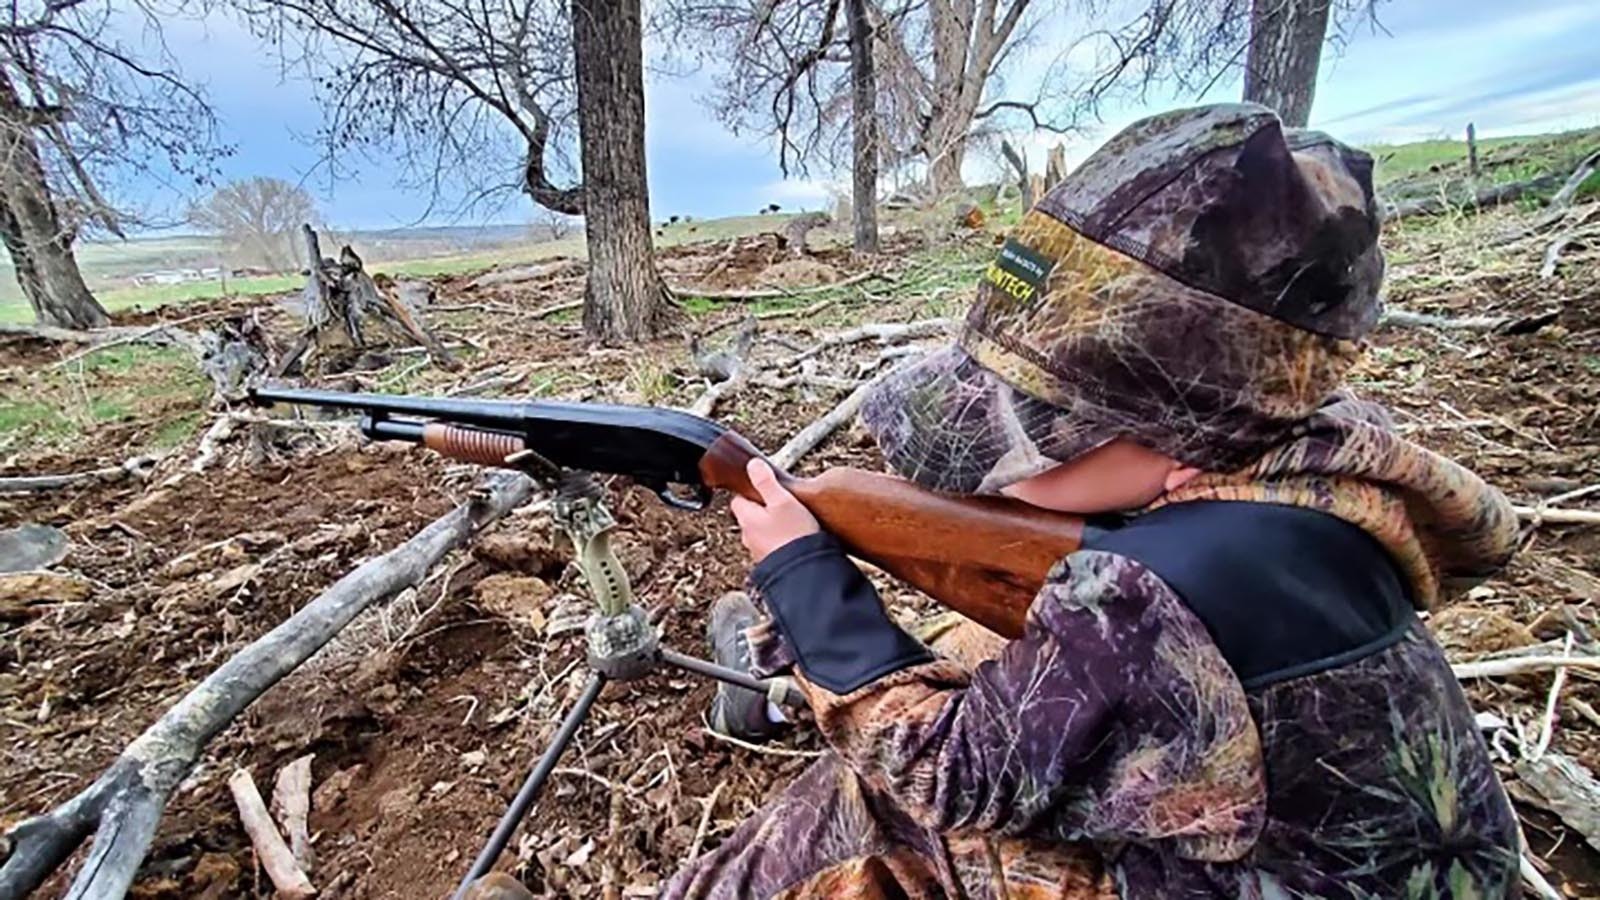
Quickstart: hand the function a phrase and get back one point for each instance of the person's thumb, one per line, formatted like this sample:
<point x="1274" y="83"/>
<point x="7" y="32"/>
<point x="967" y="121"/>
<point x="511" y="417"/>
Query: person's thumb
<point x="765" y="481"/>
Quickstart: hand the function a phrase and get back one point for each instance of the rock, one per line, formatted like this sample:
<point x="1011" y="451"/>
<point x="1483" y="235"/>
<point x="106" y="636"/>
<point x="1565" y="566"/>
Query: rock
<point x="517" y="598"/>
<point x="530" y="555"/>
<point x="31" y="546"/>
<point x="793" y="273"/>
<point x="24" y="595"/>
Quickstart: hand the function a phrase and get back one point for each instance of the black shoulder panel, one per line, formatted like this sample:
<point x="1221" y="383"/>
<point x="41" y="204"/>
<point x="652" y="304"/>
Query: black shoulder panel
<point x="1284" y="591"/>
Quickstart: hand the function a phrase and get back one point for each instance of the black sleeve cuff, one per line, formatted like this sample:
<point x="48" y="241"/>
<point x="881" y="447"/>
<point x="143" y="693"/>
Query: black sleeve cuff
<point x="831" y="615"/>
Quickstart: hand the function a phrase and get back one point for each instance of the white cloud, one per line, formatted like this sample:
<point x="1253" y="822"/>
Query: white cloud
<point x="801" y="193"/>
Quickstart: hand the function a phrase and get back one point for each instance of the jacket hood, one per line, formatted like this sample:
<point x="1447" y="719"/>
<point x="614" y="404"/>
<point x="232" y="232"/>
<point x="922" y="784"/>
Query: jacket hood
<point x="1446" y="527"/>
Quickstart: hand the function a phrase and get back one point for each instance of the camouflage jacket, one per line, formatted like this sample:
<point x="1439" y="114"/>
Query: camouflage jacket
<point x="1230" y="697"/>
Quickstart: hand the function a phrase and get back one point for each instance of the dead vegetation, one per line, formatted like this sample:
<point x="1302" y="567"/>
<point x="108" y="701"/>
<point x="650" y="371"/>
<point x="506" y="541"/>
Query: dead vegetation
<point x="421" y="718"/>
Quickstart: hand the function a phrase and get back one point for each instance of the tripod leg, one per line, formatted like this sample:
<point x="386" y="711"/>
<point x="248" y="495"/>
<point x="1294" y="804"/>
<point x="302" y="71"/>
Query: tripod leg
<point x="531" y="787"/>
<point x="788" y="695"/>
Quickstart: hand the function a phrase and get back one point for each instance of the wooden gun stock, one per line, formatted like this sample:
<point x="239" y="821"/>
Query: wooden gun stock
<point x="984" y="557"/>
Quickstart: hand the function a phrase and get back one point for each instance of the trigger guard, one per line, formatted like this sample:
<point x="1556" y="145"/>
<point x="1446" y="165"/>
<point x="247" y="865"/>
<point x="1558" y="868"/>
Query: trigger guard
<point x="698" y="501"/>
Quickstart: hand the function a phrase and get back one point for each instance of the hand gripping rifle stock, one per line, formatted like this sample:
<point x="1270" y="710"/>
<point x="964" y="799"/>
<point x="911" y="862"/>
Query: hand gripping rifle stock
<point x="984" y="557"/>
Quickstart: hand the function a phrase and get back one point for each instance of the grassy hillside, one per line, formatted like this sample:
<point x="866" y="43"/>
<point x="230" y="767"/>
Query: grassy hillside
<point x="1404" y="170"/>
<point x="108" y="267"/>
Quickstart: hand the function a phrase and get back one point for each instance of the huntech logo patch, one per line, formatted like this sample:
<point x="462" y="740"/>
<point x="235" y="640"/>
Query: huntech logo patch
<point x="1018" y="271"/>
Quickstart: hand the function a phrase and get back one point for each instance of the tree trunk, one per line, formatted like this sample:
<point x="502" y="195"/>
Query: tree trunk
<point x="625" y="299"/>
<point x="864" y="131"/>
<point x="1285" y="49"/>
<point x="40" y="246"/>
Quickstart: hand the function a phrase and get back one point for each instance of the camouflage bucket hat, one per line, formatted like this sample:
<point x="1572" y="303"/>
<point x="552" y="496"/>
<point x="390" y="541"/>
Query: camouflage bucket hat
<point x="1199" y="285"/>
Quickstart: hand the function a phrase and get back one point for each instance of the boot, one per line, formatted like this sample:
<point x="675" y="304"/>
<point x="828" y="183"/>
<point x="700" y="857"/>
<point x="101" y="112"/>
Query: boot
<point x="735" y="711"/>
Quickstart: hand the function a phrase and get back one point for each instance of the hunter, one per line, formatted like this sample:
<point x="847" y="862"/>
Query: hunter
<point x="1227" y="692"/>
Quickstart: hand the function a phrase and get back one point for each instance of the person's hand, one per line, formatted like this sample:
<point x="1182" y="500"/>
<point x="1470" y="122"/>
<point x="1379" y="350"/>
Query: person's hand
<point x="778" y="519"/>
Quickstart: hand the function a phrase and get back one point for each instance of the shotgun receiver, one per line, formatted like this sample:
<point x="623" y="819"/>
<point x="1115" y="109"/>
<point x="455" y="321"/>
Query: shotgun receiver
<point x="984" y="557"/>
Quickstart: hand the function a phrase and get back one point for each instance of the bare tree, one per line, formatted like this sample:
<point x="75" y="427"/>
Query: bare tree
<point x="1280" y="71"/>
<point x="79" y="105"/>
<point x="479" y="100"/>
<point x="260" y="217"/>
<point x="934" y="64"/>
<point x="1191" y="45"/>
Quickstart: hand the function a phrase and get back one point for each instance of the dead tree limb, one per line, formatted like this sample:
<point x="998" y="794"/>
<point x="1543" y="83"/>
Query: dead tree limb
<point x="1020" y="164"/>
<point x="853" y="280"/>
<point x="137" y="467"/>
<point x="123" y="806"/>
<point x="1569" y="189"/>
<point x="810" y="436"/>
<point x="1483" y="198"/>
<point x="282" y="869"/>
<point x="882" y="332"/>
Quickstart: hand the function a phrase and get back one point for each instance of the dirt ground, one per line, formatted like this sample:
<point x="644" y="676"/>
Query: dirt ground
<point x="424" y="721"/>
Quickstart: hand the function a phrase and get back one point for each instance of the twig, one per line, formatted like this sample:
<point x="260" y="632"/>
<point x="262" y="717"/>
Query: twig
<point x="1405" y="318"/>
<point x="1516" y="665"/>
<point x="705" y="819"/>
<point x="552" y="310"/>
<point x="1537" y="514"/>
<point x="803" y="313"/>
<point x="1548" y="729"/>
<point x="757" y="748"/>
<point x="1537" y="881"/>
<point x="274" y="854"/>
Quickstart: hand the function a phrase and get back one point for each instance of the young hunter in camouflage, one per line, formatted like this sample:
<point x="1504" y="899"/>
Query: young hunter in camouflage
<point x="1230" y="695"/>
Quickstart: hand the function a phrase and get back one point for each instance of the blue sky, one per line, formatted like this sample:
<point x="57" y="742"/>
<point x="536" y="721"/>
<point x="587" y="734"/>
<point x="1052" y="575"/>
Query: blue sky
<point x="1511" y="67"/>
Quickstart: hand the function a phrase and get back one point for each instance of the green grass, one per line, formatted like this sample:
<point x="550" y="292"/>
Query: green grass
<point x="1425" y="166"/>
<point x="50" y="406"/>
<point x="106" y="261"/>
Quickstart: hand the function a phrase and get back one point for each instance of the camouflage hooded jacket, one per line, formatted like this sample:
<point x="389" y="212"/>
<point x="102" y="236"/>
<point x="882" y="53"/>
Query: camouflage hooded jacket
<point x="1232" y="696"/>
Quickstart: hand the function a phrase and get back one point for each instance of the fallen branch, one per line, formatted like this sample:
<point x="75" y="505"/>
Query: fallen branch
<point x="535" y="272"/>
<point x="554" y="308"/>
<point x="1569" y="189"/>
<point x="810" y="436"/>
<point x="137" y="467"/>
<point x="1552" y="255"/>
<point x="274" y="855"/>
<point x="1483" y="198"/>
<point x="164" y="334"/>
<point x="182" y="338"/>
<point x="780" y="294"/>
<point x="1517" y="665"/>
<point x="1556" y="516"/>
<point x="1507" y="325"/>
<point x="883" y="333"/>
<point x="126" y="801"/>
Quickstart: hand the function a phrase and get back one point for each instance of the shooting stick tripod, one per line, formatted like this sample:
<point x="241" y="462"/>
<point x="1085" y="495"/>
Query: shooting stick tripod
<point x="622" y="645"/>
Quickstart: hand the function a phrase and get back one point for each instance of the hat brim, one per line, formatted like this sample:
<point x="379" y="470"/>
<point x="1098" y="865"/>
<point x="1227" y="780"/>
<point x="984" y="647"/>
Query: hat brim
<point x="951" y="425"/>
